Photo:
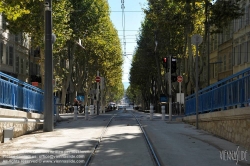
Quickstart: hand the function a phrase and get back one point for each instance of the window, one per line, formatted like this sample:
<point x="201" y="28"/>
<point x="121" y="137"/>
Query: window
<point x="1" y="52"/>
<point x="3" y="22"/>
<point x="219" y="68"/>
<point x="22" y="66"/>
<point x="245" y="52"/>
<point x="220" y="37"/>
<point x="248" y="15"/>
<point x="211" y="71"/>
<point x="236" y="25"/>
<point x="211" y="46"/>
<point x="236" y="55"/>
<point x="239" y="54"/>
<point x="248" y="51"/>
<point x="16" y="38"/>
<point x="37" y="52"/>
<point x="6" y="56"/>
<point x="216" y="70"/>
<point x="242" y="53"/>
<point x="225" y="63"/>
<point x="11" y="55"/>
<point x="27" y="67"/>
<point x="230" y="65"/>
<point x="17" y="64"/>
<point x="242" y="25"/>
<point x="214" y="42"/>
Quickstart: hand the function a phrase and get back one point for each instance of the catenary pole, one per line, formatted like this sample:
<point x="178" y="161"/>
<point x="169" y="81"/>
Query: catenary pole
<point x="48" y="88"/>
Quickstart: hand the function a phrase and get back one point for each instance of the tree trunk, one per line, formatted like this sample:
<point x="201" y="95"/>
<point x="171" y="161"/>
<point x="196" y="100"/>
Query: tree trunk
<point x="66" y="81"/>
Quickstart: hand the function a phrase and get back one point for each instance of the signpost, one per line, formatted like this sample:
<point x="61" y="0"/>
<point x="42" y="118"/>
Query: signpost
<point x="97" y="79"/>
<point x="179" y="79"/>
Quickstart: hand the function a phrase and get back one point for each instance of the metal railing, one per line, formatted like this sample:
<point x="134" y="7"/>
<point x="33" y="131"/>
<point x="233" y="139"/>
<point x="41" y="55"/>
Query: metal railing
<point x="231" y="92"/>
<point x="16" y="94"/>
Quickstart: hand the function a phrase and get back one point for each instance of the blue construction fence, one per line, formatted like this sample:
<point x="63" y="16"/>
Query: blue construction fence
<point x="16" y="94"/>
<point x="231" y="92"/>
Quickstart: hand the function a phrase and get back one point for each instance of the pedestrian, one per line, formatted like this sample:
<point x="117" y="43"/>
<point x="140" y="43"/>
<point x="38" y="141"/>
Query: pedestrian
<point x="76" y="102"/>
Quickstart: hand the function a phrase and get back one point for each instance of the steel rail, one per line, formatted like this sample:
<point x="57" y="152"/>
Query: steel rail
<point x="156" y="160"/>
<point x="98" y="142"/>
<point x="148" y="142"/>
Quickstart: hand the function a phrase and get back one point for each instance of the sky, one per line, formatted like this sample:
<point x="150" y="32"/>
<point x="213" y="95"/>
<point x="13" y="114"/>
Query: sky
<point x="132" y="23"/>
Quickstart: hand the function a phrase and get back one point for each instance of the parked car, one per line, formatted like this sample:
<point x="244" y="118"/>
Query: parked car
<point x="136" y="107"/>
<point x="111" y="107"/>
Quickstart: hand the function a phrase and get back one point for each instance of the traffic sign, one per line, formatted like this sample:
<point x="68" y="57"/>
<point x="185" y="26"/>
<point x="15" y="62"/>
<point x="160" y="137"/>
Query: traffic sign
<point x="196" y="39"/>
<point x="179" y="78"/>
<point x="98" y="79"/>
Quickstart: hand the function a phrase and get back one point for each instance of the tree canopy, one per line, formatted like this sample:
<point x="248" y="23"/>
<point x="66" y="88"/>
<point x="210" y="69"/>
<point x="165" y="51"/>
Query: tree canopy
<point x="167" y="31"/>
<point x="86" y="42"/>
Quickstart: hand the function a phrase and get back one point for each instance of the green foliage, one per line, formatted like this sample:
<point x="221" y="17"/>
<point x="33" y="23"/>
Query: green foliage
<point x="171" y="24"/>
<point x="102" y="48"/>
<point x="86" y="20"/>
<point x="223" y="12"/>
<point x="131" y="93"/>
<point x="14" y="9"/>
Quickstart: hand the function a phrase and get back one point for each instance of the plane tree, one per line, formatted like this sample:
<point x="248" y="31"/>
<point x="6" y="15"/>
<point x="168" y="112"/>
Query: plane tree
<point x="78" y="26"/>
<point x="172" y="24"/>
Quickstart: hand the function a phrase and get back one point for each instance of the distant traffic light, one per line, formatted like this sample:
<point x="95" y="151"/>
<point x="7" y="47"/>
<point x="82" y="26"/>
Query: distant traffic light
<point x="173" y="65"/>
<point x="165" y="62"/>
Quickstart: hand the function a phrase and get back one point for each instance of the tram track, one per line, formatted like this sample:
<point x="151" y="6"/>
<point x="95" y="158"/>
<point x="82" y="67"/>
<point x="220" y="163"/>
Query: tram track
<point x="115" y="117"/>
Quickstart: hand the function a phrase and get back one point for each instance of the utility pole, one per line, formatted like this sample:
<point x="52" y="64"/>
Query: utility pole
<point x="48" y="88"/>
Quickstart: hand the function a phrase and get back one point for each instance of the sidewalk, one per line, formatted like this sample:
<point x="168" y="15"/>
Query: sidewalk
<point x="71" y="141"/>
<point x="181" y="144"/>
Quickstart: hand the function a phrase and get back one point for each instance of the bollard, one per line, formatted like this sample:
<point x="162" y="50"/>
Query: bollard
<point x="57" y="109"/>
<point x="151" y="112"/>
<point x="163" y="112"/>
<point x="103" y="108"/>
<point x="91" y="109"/>
<point x="75" y="112"/>
<point x="100" y="109"/>
<point x="86" y="112"/>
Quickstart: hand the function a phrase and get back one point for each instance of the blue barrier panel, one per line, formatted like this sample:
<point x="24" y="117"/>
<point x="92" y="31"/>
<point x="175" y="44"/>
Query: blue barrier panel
<point x="229" y="92"/>
<point x="16" y="94"/>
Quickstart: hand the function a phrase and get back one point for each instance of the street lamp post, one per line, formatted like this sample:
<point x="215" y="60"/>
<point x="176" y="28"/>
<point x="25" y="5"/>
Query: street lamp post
<point x="48" y="88"/>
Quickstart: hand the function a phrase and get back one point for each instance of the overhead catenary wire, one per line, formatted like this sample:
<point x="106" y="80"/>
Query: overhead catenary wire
<point x="123" y="27"/>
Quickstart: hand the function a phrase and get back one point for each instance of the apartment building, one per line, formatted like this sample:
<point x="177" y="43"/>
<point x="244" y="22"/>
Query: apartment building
<point x="17" y="57"/>
<point x="230" y="50"/>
